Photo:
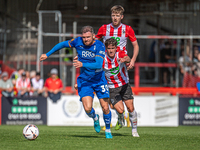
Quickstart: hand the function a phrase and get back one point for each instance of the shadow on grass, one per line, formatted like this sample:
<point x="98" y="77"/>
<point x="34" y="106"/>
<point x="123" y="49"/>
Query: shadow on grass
<point x="85" y="136"/>
<point x="118" y="134"/>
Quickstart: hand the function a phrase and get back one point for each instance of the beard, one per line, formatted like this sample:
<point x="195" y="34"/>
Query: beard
<point x="88" y="43"/>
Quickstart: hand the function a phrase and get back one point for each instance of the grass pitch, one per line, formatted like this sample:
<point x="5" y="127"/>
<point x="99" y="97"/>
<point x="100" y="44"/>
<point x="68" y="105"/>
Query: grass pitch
<point x="58" y="138"/>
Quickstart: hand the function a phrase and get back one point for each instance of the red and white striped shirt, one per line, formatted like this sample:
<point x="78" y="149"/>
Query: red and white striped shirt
<point x="121" y="33"/>
<point x="23" y="83"/>
<point x="115" y="72"/>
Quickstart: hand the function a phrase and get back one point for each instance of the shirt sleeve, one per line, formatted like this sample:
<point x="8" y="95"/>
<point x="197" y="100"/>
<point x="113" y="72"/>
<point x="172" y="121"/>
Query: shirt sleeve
<point x="101" y="51"/>
<point x="61" y="84"/>
<point x="68" y="43"/>
<point x="96" y="65"/>
<point x="1" y="84"/>
<point x="28" y="83"/>
<point x="17" y="83"/>
<point x="41" y="84"/>
<point x="100" y="33"/>
<point x="131" y="34"/>
<point x="10" y="82"/>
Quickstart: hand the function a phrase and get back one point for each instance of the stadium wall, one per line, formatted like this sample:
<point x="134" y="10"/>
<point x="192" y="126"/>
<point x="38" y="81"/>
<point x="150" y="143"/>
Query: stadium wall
<point x="152" y="111"/>
<point x="68" y="111"/>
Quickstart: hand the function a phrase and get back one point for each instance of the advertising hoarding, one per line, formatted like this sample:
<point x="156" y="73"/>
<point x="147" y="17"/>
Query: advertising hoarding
<point x="189" y="111"/>
<point x="24" y="110"/>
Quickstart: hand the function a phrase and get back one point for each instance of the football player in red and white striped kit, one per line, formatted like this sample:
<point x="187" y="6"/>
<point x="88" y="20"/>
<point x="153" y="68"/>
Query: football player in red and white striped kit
<point x="116" y="74"/>
<point x="120" y="32"/>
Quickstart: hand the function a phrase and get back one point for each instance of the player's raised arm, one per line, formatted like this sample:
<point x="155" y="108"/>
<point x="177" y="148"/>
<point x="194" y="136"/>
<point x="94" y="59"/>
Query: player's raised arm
<point x="56" y="48"/>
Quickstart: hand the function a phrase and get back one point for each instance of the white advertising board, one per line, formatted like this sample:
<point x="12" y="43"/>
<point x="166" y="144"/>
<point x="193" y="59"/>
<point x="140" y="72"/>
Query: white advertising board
<point x="157" y="110"/>
<point x="68" y="111"/>
<point x="152" y="111"/>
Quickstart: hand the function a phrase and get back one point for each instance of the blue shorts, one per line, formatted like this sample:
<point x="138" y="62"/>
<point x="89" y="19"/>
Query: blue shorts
<point x="87" y="88"/>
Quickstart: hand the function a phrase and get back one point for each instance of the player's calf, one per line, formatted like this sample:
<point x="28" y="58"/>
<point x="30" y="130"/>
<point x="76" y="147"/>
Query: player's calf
<point x="133" y="120"/>
<point x="107" y="120"/>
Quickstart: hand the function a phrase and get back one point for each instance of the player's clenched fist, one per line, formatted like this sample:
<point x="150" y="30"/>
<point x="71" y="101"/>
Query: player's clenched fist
<point x="43" y="57"/>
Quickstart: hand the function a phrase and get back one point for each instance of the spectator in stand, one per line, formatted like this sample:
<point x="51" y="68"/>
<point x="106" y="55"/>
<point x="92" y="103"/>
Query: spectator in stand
<point x="166" y="56"/>
<point x="17" y="74"/>
<point x="37" y="85"/>
<point x="53" y="86"/>
<point x="6" y="85"/>
<point x="14" y="76"/>
<point x="196" y="52"/>
<point x="27" y="74"/>
<point x="23" y="85"/>
<point x="32" y="74"/>
<point x="14" y="86"/>
<point x="196" y="69"/>
<point x="185" y="69"/>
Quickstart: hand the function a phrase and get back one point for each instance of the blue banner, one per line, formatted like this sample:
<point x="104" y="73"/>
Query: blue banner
<point x="24" y="110"/>
<point x="189" y="111"/>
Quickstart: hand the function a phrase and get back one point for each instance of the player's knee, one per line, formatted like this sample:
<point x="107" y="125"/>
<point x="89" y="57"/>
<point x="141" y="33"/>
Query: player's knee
<point x="105" y="109"/>
<point x="120" y="111"/>
<point x="119" y="108"/>
<point x="87" y="109"/>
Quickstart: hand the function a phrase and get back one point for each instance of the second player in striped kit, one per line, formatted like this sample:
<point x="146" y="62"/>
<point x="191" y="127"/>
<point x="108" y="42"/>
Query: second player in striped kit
<point x="116" y="74"/>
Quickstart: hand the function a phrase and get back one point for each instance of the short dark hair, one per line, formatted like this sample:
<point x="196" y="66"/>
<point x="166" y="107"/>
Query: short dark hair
<point x="111" y="41"/>
<point x="87" y="29"/>
<point x="37" y="73"/>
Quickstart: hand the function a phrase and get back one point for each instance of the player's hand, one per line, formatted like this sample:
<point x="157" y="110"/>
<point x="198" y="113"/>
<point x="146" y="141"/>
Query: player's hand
<point x="43" y="57"/>
<point x="77" y="64"/>
<point x="131" y="65"/>
<point x="76" y="58"/>
<point x="76" y="86"/>
<point x="121" y="60"/>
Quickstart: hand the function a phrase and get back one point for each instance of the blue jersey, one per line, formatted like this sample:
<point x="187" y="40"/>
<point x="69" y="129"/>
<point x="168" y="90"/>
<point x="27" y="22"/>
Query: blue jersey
<point x="86" y="54"/>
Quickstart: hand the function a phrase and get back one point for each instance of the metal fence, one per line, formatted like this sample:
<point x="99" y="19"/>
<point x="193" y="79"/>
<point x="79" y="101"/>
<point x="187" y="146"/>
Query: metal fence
<point x="51" y="30"/>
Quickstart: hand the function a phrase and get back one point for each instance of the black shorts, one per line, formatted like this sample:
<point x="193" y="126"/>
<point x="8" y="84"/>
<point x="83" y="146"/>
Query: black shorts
<point x="121" y="93"/>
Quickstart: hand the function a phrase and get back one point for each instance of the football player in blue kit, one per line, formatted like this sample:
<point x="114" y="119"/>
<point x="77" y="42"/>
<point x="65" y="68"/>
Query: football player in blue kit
<point x="92" y="79"/>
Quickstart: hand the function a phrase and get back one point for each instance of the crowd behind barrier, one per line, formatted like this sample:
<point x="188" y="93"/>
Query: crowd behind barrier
<point x="22" y="83"/>
<point x="187" y="59"/>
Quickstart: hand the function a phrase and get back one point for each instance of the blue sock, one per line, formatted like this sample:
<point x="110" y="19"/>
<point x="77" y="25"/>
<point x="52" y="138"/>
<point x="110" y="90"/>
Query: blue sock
<point x="107" y="120"/>
<point x="91" y="114"/>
